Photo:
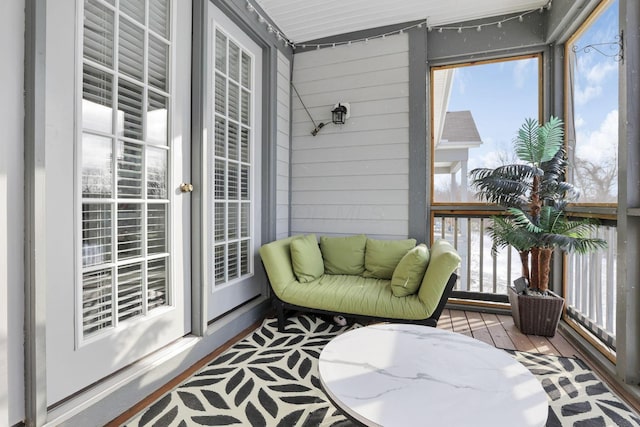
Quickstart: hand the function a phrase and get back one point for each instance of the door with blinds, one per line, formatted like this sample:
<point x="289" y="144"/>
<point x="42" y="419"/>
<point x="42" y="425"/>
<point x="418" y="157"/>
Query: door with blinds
<point x="118" y="148"/>
<point x="233" y="153"/>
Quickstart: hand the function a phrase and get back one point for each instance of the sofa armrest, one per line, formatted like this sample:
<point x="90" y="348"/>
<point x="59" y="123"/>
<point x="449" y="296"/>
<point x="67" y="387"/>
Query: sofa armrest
<point x="276" y="258"/>
<point x="443" y="262"/>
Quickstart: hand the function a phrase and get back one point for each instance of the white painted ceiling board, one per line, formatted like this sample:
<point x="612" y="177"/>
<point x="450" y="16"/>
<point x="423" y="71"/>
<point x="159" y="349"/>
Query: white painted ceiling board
<point x="304" y="20"/>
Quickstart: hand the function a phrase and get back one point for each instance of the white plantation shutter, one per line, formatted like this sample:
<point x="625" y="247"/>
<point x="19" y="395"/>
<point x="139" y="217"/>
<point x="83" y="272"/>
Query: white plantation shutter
<point x="124" y="162"/>
<point x="231" y="160"/>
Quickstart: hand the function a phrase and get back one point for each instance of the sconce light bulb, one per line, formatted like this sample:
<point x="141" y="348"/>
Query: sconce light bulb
<point x="520" y="18"/>
<point x="439" y="30"/>
<point x="499" y="24"/>
<point x="459" y="30"/>
<point x="479" y="28"/>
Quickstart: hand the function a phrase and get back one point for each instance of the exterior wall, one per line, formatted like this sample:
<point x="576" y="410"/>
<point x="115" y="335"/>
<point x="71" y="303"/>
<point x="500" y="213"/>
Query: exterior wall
<point x="11" y="213"/>
<point x="352" y="178"/>
<point x="283" y="146"/>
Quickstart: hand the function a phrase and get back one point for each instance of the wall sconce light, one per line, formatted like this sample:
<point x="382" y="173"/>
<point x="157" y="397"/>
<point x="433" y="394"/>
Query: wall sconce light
<point x="340" y="114"/>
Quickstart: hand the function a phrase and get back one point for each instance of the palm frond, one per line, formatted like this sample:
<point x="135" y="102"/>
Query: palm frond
<point x="550" y="139"/>
<point x="526" y="141"/>
<point x="524" y="221"/>
<point x="504" y="232"/>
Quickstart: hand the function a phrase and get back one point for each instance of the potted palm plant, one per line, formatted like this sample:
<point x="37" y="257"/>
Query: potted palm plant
<point x="535" y="195"/>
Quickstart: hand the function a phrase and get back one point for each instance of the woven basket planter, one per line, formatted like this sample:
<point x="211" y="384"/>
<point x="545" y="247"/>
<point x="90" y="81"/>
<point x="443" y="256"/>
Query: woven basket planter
<point x="535" y="315"/>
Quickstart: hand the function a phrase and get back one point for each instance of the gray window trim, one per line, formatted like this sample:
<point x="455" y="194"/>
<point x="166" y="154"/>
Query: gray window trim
<point x="35" y="288"/>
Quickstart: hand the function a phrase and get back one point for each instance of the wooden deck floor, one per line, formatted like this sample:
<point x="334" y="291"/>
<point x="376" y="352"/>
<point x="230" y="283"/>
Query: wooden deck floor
<point x="499" y="331"/>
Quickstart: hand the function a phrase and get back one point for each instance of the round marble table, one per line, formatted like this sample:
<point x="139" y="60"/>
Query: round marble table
<point x="409" y="375"/>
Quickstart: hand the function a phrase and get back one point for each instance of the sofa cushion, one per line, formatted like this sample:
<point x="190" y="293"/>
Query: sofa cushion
<point x="382" y="256"/>
<point x="343" y="255"/>
<point x="408" y="275"/>
<point x="444" y="260"/>
<point x="306" y="258"/>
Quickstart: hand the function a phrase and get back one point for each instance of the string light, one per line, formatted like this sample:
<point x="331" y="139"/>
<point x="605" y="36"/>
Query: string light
<point x="458" y="28"/>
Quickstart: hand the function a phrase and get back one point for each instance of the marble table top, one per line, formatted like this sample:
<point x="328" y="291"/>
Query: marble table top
<point x="409" y="375"/>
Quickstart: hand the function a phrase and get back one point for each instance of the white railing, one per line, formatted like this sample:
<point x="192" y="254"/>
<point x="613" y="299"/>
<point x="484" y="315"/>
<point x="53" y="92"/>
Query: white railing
<point x="479" y="271"/>
<point x="591" y="288"/>
<point x="590" y="279"/>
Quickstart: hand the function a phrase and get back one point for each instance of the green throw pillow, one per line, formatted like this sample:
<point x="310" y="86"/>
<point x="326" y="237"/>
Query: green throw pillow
<point x="343" y="255"/>
<point x="382" y="256"/>
<point x="306" y="258"/>
<point x="408" y="275"/>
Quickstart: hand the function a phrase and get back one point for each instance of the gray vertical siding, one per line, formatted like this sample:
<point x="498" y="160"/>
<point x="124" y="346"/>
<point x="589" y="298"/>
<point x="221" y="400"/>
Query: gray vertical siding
<point x="283" y="142"/>
<point x="352" y="178"/>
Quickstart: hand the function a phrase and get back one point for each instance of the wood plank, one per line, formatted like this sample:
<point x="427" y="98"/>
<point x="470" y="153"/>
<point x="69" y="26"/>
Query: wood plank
<point x="445" y="321"/>
<point x="563" y="346"/>
<point x="543" y="345"/>
<point x="478" y="329"/>
<point x="460" y="323"/>
<point x="498" y="334"/>
<point x="520" y="340"/>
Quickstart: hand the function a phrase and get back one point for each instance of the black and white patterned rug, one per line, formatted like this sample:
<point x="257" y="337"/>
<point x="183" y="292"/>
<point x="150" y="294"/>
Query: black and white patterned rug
<point x="271" y="379"/>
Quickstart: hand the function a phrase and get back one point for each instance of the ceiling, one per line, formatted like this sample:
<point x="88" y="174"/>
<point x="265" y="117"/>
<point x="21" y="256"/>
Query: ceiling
<point x="304" y="20"/>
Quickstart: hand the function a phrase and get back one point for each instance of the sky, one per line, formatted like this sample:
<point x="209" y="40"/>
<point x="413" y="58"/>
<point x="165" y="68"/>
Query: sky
<point x="502" y="95"/>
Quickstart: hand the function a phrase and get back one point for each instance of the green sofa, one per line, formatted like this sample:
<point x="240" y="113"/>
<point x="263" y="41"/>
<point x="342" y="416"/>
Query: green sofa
<point x="389" y="280"/>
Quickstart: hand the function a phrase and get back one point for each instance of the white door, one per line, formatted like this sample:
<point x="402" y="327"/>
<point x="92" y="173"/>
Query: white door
<point x="118" y="147"/>
<point x="232" y="166"/>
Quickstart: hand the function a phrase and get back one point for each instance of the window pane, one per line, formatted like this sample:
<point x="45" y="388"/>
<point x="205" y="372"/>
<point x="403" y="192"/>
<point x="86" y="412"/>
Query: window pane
<point x="232" y="180"/>
<point x="244" y="257"/>
<point x="157" y="117"/>
<point x="233" y="141"/>
<point x="97" y="100"/>
<point x="134" y="9"/>
<point x="220" y="94"/>
<point x="129" y="230"/>
<point x="592" y="116"/>
<point x="233" y="220"/>
<point x="157" y="229"/>
<point x="158" y="63"/>
<point x="245" y="220"/>
<point x="477" y="111"/>
<point x="219" y="180"/>
<point x="244" y="182"/>
<point x="157" y="283"/>
<point x="233" y="261"/>
<point x="246" y="70"/>
<point x="221" y="52"/>
<point x="129" y="169"/>
<point x="220" y="138"/>
<point x="234" y="101"/>
<point x="96" y="301"/>
<point x="96" y="166"/>
<point x="98" y="33"/>
<point x="234" y="61"/>
<point x="246" y="106"/>
<point x="219" y="264"/>
<point x="244" y="145"/>
<point x="156" y="173"/>
<point x="130" y="109"/>
<point x="96" y="234"/>
<point x="129" y="291"/>
<point x="159" y="17"/>
<point x="220" y="222"/>
<point x="131" y="50"/>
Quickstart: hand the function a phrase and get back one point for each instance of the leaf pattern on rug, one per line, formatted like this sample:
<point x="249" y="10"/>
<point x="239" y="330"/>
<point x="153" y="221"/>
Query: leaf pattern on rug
<point x="271" y="379"/>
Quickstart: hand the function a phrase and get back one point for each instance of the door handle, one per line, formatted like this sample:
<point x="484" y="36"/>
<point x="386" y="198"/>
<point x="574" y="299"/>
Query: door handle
<point x="186" y="188"/>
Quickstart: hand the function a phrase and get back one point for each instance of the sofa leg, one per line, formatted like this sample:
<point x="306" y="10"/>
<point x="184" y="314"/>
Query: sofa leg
<point x="280" y="315"/>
